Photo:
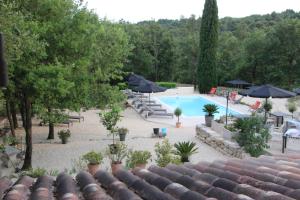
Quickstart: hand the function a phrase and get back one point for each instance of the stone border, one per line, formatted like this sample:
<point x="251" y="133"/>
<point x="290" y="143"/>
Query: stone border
<point x="216" y="141"/>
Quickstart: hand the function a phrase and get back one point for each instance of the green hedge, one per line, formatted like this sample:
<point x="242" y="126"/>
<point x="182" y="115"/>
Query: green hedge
<point x="167" y="84"/>
<point x="122" y="86"/>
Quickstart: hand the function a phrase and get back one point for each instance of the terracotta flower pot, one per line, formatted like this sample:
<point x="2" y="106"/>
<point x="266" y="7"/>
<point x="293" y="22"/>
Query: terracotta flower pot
<point x="178" y="124"/>
<point x="93" y="168"/>
<point x="143" y="166"/>
<point x="115" y="167"/>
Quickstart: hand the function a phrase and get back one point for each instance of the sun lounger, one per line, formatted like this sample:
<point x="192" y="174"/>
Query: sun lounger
<point x="142" y="101"/>
<point x="146" y="108"/>
<point x="213" y="91"/>
<point x="161" y="114"/>
<point x="255" y="106"/>
<point x="138" y="106"/>
<point x="76" y="117"/>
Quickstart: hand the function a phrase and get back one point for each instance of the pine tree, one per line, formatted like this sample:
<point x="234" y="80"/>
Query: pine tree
<point x="207" y="76"/>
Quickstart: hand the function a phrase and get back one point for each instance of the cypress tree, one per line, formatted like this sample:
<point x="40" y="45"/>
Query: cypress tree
<point x="207" y="77"/>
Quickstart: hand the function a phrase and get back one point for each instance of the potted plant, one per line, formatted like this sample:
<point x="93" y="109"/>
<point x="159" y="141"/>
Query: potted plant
<point x="117" y="157"/>
<point x="185" y="150"/>
<point x="267" y="105"/>
<point x="210" y="110"/>
<point x="64" y="135"/>
<point x="93" y="159"/>
<point x="177" y="113"/>
<point x="122" y="133"/>
<point x="137" y="159"/>
<point x="292" y="107"/>
<point x="109" y="120"/>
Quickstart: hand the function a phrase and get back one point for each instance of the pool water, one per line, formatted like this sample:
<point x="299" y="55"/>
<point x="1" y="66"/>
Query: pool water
<point x="192" y="106"/>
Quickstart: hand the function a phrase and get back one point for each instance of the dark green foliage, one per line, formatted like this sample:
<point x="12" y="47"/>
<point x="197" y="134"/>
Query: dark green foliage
<point x="137" y="157"/>
<point x="177" y="113"/>
<point x="93" y="157"/>
<point x="210" y="109"/>
<point x="185" y="150"/>
<point x="253" y="135"/>
<point x="207" y="72"/>
<point x="167" y="84"/>
<point x="267" y="105"/>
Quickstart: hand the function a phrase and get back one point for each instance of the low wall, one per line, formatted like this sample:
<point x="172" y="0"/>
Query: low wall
<point x="219" y="128"/>
<point x="215" y="140"/>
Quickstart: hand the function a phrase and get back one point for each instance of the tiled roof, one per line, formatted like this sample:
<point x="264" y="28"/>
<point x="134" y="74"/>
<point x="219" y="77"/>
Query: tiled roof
<point x="263" y="178"/>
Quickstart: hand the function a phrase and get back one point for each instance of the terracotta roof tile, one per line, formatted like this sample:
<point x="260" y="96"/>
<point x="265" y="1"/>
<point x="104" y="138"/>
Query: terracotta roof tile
<point x="263" y="178"/>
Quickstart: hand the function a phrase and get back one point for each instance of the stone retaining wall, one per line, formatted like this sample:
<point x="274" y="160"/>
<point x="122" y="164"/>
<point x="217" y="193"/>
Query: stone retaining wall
<point x="215" y="140"/>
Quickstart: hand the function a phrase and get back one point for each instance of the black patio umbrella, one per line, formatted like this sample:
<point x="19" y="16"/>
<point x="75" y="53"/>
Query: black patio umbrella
<point x="135" y="80"/>
<point x="238" y="82"/>
<point x="148" y="87"/>
<point x="297" y="91"/>
<point x="266" y="91"/>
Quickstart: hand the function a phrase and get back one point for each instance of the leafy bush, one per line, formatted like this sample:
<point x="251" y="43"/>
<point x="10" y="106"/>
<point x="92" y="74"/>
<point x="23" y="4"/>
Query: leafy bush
<point x="210" y="109"/>
<point x="253" y="135"/>
<point x="137" y="157"/>
<point x="167" y="84"/>
<point x="178" y="112"/>
<point x="93" y="157"/>
<point x="165" y="154"/>
<point x="123" y="130"/>
<point x="64" y="135"/>
<point x="2" y="148"/>
<point x="122" y="86"/>
<point x="35" y="173"/>
<point x="185" y="150"/>
<point x="291" y="106"/>
<point x="10" y="140"/>
<point x="267" y="105"/>
<point x="120" y="153"/>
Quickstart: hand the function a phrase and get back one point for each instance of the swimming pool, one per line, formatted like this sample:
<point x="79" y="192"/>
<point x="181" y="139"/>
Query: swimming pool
<point x="192" y="106"/>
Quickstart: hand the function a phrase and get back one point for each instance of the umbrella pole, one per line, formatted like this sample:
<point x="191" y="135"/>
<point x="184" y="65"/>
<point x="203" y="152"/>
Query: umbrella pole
<point x="149" y="98"/>
<point x="227" y="95"/>
<point x="266" y="111"/>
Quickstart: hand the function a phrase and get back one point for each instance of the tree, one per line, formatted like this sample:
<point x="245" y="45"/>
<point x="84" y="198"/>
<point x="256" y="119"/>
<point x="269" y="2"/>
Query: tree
<point x="207" y="76"/>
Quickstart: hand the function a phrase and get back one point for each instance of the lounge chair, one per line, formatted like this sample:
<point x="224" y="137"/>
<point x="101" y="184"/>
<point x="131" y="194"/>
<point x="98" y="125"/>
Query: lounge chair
<point x="76" y="117"/>
<point x="155" y="113"/>
<point x="255" y="106"/>
<point x="238" y="100"/>
<point x="142" y="101"/>
<point x="213" y="91"/>
<point x="138" y="106"/>
<point x="146" y="108"/>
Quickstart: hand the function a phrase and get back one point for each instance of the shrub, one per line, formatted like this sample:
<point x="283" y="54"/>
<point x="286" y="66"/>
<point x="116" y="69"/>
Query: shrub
<point x="167" y="84"/>
<point x="267" y="105"/>
<point x="93" y="157"/>
<point x="253" y="135"/>
<point x="178" y="112"/>
<point x="10" y="140"/>
<point x="165" y="154"/>
<point x="291" y="106"/>
<point x="35" y="173"/>
<point x="210" y="109"/>
<point x="64" y="135"/>
<point x="185" y="150"/>
<point x="122" y="86"/>
<point x="120" y="153"/>
<point x="137" y="157"/>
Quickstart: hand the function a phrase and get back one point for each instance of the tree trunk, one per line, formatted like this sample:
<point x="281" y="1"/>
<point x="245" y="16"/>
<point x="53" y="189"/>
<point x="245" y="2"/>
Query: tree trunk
<point x="8" y="114"/>
<point x="14" y="114"/>
<point x="22" y="111"/>
<point x="28" y="130"/>
<point x="51" y="127"/>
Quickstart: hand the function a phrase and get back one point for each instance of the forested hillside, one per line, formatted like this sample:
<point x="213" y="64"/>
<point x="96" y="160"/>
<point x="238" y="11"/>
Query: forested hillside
<point x="258" y="48"/>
